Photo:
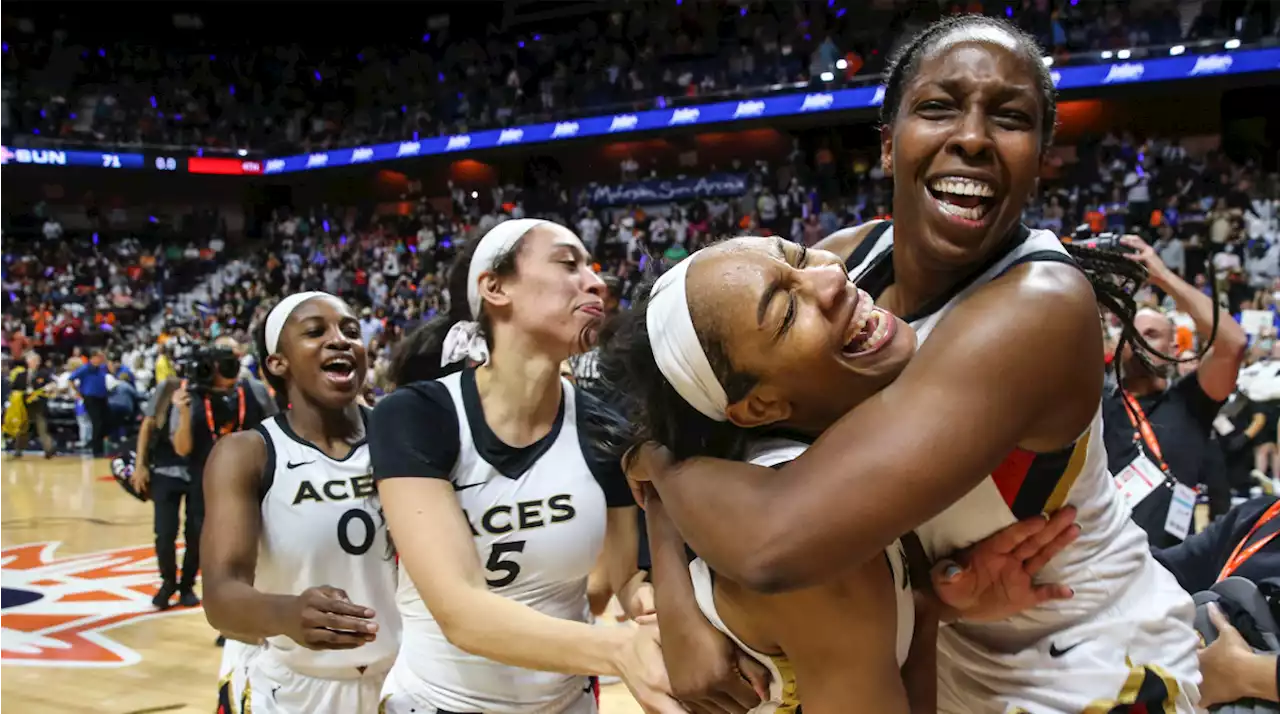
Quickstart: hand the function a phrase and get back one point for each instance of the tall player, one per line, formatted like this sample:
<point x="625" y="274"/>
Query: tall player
<point x="996" y="417"/>
<point x="298" y="553"/>
<point x="500" y="495"/>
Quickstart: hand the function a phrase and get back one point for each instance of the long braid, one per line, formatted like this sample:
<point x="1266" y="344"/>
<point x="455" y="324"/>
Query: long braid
<point x="1115" y="279"/>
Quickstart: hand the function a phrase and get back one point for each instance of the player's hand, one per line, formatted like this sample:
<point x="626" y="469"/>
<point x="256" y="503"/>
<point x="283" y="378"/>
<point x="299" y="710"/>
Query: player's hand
<point x="1224" y="665"/>
<point x="995" y="578"/>
<point x="141" y="478"/>
<point x="324" y="618"/>
<point x="642" y="463"/>
<point x="636" y="597"/>
<point x="640" y="667"/>
<point x="709" y="674"/>
<point x="182" y="397"/>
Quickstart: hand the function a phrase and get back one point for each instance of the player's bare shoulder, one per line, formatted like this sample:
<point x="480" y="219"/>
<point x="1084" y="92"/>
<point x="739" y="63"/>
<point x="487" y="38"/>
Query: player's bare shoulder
<point x="844" y="241"/>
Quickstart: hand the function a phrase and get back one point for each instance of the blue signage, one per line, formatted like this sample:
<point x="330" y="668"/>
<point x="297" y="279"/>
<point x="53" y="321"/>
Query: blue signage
<point x="1067" y="78"/>
<point x="663" y="191"/>
<point x="54" y="157"/>
<point x="770" y="107"/>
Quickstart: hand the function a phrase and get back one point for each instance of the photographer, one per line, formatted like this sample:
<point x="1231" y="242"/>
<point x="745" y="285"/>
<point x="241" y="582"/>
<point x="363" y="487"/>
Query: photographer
<point x="212" y="402"/>
<point x="1157" y="428"/>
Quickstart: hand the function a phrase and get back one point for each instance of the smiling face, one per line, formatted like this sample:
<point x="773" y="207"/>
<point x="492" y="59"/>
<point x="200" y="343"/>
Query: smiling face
<point x="554" y="296"/>
<point x="320" y="354"/>
<point x="789" y="317"/>
<point x="964" y="148"/>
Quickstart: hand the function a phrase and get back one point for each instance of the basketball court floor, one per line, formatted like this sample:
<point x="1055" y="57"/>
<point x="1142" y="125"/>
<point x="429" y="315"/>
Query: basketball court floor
<point x="79" y="631"/>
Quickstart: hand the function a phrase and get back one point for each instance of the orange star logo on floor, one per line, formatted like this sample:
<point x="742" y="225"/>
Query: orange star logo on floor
<point x="55" y="611"/>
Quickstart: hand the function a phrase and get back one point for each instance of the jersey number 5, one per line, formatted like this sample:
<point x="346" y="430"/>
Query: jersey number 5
<point x="510" y="569"/>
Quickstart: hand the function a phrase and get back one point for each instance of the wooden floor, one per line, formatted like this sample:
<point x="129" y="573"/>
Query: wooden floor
<point x="79" y="631"/>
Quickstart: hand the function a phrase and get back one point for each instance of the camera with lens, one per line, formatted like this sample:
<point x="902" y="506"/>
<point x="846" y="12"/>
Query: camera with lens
<point x="1084" y="237"/>
<point x="203" y="367"/>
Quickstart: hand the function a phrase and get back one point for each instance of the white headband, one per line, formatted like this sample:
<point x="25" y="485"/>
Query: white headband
<point x="280" y="314"/>
<point x="464" y="339"/>
<point x="676" y="348"/>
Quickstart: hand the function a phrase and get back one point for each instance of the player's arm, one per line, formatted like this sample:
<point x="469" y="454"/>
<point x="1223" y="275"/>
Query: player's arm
<point x="1013" y="365"/>
<point x="841" y="638"/>
<point x="319" y="618"/>
<point x="1220" y="365"/>
<point x="603" y="430"/>
<point x="622" y="546"/>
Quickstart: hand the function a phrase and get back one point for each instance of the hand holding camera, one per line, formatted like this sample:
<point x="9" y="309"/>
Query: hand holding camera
<point x="182" y="397"/>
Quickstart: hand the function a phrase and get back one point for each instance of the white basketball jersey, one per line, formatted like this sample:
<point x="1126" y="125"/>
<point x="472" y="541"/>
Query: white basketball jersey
<point x="1110" y="556"/>
<point x="322" y="525"/>
<point x="537" y="534"/>
<point x="784" y="695"/>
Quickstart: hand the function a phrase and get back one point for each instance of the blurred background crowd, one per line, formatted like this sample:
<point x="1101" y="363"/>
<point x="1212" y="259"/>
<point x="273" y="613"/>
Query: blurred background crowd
<point x="111" y="281"/>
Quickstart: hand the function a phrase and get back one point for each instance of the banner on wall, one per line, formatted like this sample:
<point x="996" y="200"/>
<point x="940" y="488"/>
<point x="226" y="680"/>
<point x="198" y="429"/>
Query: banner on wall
<point x="668" y="190"/>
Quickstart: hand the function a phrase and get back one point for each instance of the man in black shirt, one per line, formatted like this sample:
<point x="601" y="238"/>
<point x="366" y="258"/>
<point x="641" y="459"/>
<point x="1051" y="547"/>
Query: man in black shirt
<point x="1155" y="424"/>
<point x="197" y="419"/>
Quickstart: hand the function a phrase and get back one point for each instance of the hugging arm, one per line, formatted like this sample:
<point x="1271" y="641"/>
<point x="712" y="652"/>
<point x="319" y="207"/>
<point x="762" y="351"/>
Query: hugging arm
<point x="976" y="390"/>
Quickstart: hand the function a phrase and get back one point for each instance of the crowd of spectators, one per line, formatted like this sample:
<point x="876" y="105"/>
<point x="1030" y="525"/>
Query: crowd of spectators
<point x="252" y="94"/>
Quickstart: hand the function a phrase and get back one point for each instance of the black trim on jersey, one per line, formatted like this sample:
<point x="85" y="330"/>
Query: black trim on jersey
<point x="1043" y="256"/>
<point x="879" y="275"/>
<point x="282" y="420"/>
<point x="863" y="249"/>
<point x="418" y="434"/>
<point x="268" y="467"/>
<point x="510" y="461"/>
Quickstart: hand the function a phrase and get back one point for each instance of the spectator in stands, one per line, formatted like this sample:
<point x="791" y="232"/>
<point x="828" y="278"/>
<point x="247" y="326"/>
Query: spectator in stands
<point x="1157" y="429"/>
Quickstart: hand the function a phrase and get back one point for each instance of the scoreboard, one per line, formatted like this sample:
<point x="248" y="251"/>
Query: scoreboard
<point x="224" y="166"/>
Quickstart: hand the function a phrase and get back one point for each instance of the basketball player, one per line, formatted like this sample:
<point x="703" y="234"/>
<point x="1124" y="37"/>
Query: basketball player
<point x="298" y="555"/>
<point x="499" y="493"/>
<point x="995" y="418"/>
<point x="846" y="638"/>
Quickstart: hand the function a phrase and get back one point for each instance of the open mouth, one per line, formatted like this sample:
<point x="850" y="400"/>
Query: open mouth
<point x="339" y="369"/>
<point x="963" y="198"/>
<point x="870" y="329"/>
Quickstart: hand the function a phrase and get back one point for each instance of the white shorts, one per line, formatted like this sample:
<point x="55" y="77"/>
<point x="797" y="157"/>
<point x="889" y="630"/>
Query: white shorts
<point x="1141" y="650"/>
<point x="400" y="696"/>
<point x="270" y="687"/>
<point x="231" y="675"/>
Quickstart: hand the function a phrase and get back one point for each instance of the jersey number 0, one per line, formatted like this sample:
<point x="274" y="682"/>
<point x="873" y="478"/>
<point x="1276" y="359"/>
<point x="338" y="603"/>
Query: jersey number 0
<point x="370" y="530"/>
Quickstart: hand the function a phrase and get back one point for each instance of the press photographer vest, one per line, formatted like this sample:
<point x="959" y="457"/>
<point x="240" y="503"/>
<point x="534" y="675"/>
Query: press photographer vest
<point x="217" y="414"/>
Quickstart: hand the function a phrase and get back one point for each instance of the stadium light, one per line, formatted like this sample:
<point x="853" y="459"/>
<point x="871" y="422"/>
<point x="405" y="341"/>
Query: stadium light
<point x="1048" y="61"/>
<point x="827" y="76"/>
<point x="1106" y="54"/>
<point x="1232" y="43"/>
<point x="1123" y="54"/>
<point x="842" y="63"/>
<point x="242" y="152"/>
<point x="1177" y="50"/>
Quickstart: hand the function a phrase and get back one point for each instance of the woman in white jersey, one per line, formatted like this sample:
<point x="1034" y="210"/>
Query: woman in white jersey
<point x="500" y="494"/>
<point x="298" y="554"/>
<point x="995" y="418"/>
<point x="845" y="639"/>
